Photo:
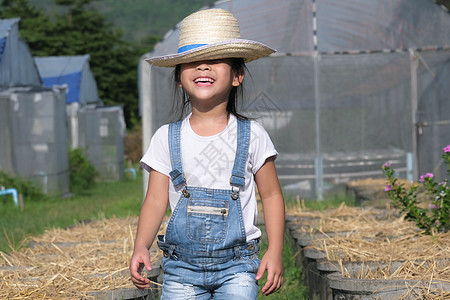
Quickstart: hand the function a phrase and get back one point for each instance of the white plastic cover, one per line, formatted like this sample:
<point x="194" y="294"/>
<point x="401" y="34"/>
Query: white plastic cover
<point x="17" y="67"/>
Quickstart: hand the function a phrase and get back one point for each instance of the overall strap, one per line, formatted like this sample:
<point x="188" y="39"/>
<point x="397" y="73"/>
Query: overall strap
<point x="243" y="140"/>
<point x="176" y="174"/>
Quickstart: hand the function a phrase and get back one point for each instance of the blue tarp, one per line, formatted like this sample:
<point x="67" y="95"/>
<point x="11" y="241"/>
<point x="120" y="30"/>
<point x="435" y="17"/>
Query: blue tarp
<point x="73" y="71"/>
<point x="2" y="46"/>
<point x="73" y="82"/>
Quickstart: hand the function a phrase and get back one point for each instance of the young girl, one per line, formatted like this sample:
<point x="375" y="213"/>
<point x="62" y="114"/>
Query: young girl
<point x="206" y="167"/>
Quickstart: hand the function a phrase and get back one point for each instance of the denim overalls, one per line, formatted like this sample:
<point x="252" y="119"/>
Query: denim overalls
<point x="205" y="247"/>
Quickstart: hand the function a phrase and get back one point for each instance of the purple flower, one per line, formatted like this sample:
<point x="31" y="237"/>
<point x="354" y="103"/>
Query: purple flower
<point x="386" y="165"/>
<point x="433" y="206"/>
<point x="446" y="149"/>
<point x="388" y="188"/>
<point x="426" y="175"/>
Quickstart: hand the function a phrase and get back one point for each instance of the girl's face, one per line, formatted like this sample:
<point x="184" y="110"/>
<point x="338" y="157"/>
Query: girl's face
<point x="209" y="82"/>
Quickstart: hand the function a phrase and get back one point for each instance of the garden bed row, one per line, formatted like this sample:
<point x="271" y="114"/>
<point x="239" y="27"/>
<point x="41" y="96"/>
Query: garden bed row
<point x="368" y="253"/>
<point x="87" y="261"/>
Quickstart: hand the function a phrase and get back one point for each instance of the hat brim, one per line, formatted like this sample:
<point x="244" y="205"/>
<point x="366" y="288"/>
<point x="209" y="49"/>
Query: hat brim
<point x="246" y="49"/>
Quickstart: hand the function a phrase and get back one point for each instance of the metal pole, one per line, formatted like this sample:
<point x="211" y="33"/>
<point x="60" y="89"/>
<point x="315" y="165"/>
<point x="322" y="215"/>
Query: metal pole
<point x="414" y="62"/>
<point x="318" y="167"/>
<point x="318" y="160"/>
<point x="146" y="100"/>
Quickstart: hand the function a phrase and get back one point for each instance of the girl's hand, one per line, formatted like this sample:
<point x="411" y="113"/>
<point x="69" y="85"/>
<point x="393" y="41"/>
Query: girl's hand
<point x="139" y="260"/>
<point x="273" y="263"/>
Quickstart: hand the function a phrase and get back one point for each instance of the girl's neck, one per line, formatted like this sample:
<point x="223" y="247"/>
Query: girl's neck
<point x="208" y="123"/>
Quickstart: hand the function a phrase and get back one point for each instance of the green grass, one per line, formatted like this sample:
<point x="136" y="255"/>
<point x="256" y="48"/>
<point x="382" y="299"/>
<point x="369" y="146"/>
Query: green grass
<point x="292" y="287"/>
<point x="329" y="201"/>
<point x="105" y="200"/>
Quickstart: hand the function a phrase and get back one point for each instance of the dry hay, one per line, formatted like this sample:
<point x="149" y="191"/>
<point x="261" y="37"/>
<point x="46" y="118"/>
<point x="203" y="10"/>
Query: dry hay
<point x="409" y="248"/>
<point x="343" y="211"/>
<point x="425" y="293"/>
<point x="364" y="226"/>
<point x="72" y="263"/>
<point x="387" y="245"/>
<point x="374" y="183"/>
<point x="373" y="222"/>
<point x="373" y="189"/>
<point x="369" y="237"/>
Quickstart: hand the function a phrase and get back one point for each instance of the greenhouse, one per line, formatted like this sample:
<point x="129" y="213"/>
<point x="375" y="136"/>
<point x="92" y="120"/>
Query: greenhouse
<point x="33" y="135"/>
<point x="352" y="85"/>
<point x="97" y="129"/>
<point x="101" y="134"/>
<point x="73" y="71"/>
<point x="33" y="143"/>
<point x="16" y="63"/>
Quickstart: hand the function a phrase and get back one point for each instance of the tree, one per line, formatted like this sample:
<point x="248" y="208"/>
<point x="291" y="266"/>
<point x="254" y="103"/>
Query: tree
<point x="446" y="3"/>
<point x="31" y="18"/>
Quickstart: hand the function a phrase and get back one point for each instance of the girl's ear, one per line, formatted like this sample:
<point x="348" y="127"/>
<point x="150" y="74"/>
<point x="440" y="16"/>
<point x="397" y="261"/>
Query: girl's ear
<point x="238" y="78"/>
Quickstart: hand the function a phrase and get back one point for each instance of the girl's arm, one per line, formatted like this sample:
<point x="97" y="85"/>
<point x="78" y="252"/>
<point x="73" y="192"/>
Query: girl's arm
<point x="273" y="204"/>
<point x="150" y="218"/>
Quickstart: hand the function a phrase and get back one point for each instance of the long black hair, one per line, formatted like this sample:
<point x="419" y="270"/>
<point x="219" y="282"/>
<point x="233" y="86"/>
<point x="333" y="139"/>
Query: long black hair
<point x="181" y="101"/>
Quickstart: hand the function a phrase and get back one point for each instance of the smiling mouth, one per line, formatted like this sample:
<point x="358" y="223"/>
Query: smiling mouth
<point x="204" y="80"/>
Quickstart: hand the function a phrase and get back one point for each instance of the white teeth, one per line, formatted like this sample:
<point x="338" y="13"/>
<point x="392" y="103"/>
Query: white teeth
<point x="204" y="79"/>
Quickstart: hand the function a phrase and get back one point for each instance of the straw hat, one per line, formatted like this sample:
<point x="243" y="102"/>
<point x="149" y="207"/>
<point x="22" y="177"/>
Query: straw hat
<point x="211" y="34"/>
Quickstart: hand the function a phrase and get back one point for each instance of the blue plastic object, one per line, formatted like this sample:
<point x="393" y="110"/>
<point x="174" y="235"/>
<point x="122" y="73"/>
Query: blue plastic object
<point x="10" y="191"/>
<point x="132" y="171"/>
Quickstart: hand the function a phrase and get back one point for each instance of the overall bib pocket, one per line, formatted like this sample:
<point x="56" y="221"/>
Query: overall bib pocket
<point x="207" y="220"/>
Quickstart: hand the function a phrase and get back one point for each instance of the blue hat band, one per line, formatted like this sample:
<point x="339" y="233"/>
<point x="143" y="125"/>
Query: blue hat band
<point x="189" y="47"/>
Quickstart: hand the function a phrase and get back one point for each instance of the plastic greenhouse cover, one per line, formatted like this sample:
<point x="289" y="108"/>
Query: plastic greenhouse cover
<point x="60" y="70"/>
<point x="5" y="26"/>
<point x="293" y="26"/>
<point x="345" y="111"/>
<point x="16" y="63"/>
<point x="53" y="66"/>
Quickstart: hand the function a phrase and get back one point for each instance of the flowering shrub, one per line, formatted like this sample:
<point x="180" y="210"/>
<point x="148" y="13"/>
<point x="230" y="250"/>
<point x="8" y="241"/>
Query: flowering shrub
<point x="446" y="156"/>
<point x="434" y="219"/>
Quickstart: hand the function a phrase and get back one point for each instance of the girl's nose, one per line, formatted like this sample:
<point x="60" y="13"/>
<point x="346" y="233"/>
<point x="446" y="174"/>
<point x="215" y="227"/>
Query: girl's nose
<point x="203" y="67"/>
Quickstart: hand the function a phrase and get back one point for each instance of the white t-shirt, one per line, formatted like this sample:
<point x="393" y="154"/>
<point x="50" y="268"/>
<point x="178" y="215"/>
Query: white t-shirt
<point x="208" y="161"/>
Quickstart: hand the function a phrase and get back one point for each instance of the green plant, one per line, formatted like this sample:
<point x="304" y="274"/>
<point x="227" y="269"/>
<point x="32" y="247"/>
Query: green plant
<point x="329" y="201"/>
<point x="25" y="187"/>
<point x="82" y="172"/>
<point x="431" y="220"/>
<point x="293" y="287"/>
<point x="446" y="157"/>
